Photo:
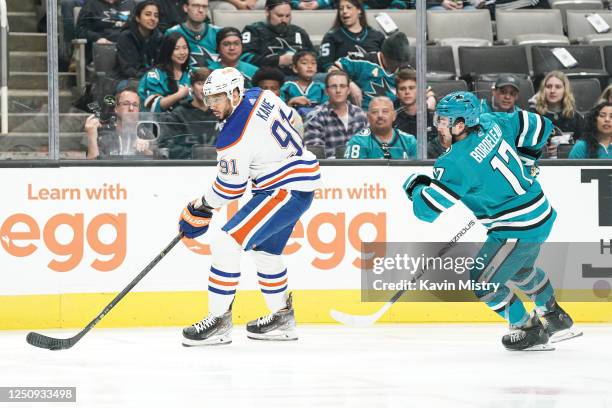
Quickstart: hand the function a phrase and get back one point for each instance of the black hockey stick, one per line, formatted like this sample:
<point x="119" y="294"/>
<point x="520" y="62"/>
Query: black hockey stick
<point x="368" y="320"/>
<point x="50" y="343"/>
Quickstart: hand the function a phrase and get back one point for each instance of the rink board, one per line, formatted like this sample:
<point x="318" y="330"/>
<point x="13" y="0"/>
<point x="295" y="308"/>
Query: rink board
<point x="73" y="237"/>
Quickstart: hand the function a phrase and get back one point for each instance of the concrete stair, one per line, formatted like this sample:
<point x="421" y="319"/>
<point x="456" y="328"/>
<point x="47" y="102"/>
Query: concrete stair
<point x="28" y="121"/>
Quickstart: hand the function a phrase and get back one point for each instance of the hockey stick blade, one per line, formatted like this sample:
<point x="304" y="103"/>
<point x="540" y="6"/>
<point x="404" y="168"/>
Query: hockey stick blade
<point x="51" y="343"/>
<point x="368" y="320"/>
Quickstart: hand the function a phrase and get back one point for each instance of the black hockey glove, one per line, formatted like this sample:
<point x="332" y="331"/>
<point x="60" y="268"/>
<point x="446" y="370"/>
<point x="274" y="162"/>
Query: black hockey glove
<point x="413" y="181"/>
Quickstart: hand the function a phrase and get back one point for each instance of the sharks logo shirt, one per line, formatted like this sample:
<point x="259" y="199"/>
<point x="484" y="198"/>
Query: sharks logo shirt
<point x="203" y="45"/>
<point x="340" y="43"/>
<point x="370" y="76"/>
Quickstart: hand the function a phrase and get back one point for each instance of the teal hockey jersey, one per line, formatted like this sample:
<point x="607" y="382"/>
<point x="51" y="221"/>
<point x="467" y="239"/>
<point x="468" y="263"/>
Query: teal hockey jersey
<point x="154" y="85"/>
<point x="365" y="145"/>
<point x="370" y="76"/>
<point x="315" y="92"/>
<point x="203" y="45"/>
<point x="489" y="172"/>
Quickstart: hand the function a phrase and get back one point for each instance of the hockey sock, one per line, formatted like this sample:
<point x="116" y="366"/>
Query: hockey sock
<point x="534" y="283"/>
<point x="506" y="304"/>
<point x="221" y="290"/>
<point x="274" y="289"/>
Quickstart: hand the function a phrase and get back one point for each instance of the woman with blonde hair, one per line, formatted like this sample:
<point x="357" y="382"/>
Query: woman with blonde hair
<point x="555" y="100"/>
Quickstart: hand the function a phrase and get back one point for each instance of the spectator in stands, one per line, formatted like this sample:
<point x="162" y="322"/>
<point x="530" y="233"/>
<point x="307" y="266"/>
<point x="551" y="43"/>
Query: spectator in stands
<point x="555" y="100"/>
<point x="200" y="35"/>
<point x="304" y="93"/>
<point x="167" y="84"/>
<point x="381" y="140"/>
<point x="139" y="42"/>
<point x="109" y="137"/>
<point x="101" y="21"/>
<point x="229" y="46"/>
<point x="606" y="95"/>
<point x="405" y="108"/>
<point x="171" y="13"/>
<point x="272" y="79"/>
<point x="350" y="36"/>
<point x="67" y="9"/>
<point x="596" y="140"/>
<point x="374" y="75"/>
<point x="190" y="122"/>
<point x="333" y="123"/>
<point x="504" y="95"/>
<point x="274" y="42"/>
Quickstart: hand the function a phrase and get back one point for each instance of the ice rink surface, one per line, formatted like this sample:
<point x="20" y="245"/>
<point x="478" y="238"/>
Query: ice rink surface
<point x="330" y="366"/>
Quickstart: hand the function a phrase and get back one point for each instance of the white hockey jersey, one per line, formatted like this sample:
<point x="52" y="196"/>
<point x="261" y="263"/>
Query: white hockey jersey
<point x="259" y="142"/>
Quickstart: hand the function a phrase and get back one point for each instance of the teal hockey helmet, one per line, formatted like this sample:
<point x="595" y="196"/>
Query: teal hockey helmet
<point x="457" y="105"/>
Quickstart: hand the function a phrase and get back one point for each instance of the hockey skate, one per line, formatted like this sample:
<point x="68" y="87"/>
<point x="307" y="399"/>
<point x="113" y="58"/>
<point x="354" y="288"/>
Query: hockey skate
<point x="558" y="324"/>
<point x="279" y="326"/>
<point x="210" y="331"/>
<point x="529" y="337"/>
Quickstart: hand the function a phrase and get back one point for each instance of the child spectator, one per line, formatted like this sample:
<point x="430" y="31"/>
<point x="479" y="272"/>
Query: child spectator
<point x="304" y="92"/>
<point x="167" y="84"/>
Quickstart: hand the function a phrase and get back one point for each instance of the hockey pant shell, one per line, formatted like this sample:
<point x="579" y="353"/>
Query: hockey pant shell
<point x="263" y="225"/>
<point x="511" y="264"/>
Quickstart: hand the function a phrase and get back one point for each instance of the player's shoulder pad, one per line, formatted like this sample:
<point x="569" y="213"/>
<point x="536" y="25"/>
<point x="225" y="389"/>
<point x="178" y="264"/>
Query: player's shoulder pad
<point x="234" y="127"/>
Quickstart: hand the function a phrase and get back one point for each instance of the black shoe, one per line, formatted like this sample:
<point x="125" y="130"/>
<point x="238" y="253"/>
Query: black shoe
<point x="279" y="326"/>
<point x="529" y="337"/>
<point x="558" y="324"/>
<point x="211" y="330"/>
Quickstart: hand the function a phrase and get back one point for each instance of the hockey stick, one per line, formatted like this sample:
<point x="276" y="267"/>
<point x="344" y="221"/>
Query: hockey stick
<point x="51" y="343"/>
<point x="368" y="320"/>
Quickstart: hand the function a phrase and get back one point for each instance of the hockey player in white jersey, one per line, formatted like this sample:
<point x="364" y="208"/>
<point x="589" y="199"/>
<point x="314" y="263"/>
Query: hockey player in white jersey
<point x="259" y="144"/>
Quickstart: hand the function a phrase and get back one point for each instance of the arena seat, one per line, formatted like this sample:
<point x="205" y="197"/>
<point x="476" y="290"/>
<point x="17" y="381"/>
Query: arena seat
<point x="590" y="62"/>
<point x="521" y="27"/>
<point x="440" y="62"/>
<point x="586" y="92"/>
<point x="443" y="88"/>
<point x="237" y="18"/>
<point x="579" y="30"/>
<point x="566" y="5"/>
<point x="442" y="27"/>
<point x="477" y="62"/>
<point x="315" y="22"/>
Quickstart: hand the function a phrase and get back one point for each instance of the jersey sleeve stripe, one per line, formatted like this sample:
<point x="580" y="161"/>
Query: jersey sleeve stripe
<point x="537" y="131"/>
<point x="225" y="197"/>
<point x="524" y="120"/>
<point x="314" y="169"/>
<point x="511" y="211"/>
<point x="446" y="189"/>
<point x="246" y="125"/>
<point x="228" y="185"/>
<point x="542" y="130"/>
<point x="285" y="167"/>
<point x="430" y="203"/>
<point x="435" y="187"/>
<point x="228" y="191"/>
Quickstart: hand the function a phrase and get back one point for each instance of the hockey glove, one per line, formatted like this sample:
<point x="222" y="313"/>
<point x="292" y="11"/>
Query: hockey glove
<point x="413" y="181"/>
<point x="194" y="222"/>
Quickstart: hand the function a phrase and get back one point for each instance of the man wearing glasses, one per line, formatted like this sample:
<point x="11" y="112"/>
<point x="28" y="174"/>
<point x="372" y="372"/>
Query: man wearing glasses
<point x="107" y="135"/>
<point x="201" y="36"/>
<point x="333" y="123"/>
<point x="381" y="140"/>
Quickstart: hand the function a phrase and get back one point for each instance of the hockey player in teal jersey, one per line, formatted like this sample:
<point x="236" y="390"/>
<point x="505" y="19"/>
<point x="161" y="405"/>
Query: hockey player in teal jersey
<point x="381" y="140"/>
<point x="374" y="75"/>
<point x="486" y="168"/>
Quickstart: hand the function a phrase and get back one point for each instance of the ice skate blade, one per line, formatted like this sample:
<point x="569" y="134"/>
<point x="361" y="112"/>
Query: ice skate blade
<point x="566" y="334"/>
<point x="537" y="347"/>
<point x="212" y="341"/>
<point x="274" y="336"/>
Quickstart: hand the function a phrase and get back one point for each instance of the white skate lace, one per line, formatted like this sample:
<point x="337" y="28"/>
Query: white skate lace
<point x="265" y="320"/>
<point x="205" y="323"/>
<point x="517" y="336"/>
